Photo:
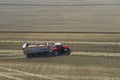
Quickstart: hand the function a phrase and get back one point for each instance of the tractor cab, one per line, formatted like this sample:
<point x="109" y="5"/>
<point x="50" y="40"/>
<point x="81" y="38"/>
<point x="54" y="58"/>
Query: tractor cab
<point x="59" y="46"/>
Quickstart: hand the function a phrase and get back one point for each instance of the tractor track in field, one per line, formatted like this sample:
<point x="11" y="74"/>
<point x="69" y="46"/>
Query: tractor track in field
<point x="10" y="77"/>
<point x="25" y="73"/>
<point x="47" y="77"/>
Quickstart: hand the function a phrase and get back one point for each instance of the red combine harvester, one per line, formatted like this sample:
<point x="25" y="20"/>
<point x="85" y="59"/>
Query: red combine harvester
<point x="37" y="49"/>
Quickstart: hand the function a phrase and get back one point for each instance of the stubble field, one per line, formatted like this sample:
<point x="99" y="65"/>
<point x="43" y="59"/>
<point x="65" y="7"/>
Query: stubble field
<point x="60" y="15"/>
<point x="95" y="56"/>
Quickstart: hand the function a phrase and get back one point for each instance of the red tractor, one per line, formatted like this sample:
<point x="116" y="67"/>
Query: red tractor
<point x="59" y="49"/>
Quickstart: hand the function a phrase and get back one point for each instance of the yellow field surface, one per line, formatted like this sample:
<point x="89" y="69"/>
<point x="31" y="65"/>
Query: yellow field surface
<point x="75" y="67"/>
<point x="78" y="37"/>
<point x="91" y="29"/>
<point x="60" y="15"/>
<point x="97" y="58"/>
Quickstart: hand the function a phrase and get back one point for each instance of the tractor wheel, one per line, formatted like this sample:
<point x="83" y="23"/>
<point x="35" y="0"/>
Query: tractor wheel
<point x="55" y="53"/>
<point x="67" y="52"/>
<point x="29" y="55"/>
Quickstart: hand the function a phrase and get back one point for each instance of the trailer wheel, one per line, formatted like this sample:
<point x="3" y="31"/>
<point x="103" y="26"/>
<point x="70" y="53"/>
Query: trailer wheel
<point x="29" y="55"/>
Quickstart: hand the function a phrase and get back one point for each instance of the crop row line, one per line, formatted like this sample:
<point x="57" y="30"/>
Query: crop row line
<point x="65" y="42"/>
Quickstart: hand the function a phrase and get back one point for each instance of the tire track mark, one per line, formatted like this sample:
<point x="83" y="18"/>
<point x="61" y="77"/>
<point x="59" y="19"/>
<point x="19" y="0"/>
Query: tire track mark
<point x="52" y="77"/>
<point x="9" y="76"/>
<point x="27" y="73"/>
<point x="10" y="73"/>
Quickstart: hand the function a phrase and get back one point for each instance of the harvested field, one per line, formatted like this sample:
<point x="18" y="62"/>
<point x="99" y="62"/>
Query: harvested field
<point x="93" y="58"/>
<point x="60" y="15"/>
<point x="90" y="27"/>
<point x="60" y="68"/>
<point x="84" y="42"/>
<point x="82" y="37"/>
